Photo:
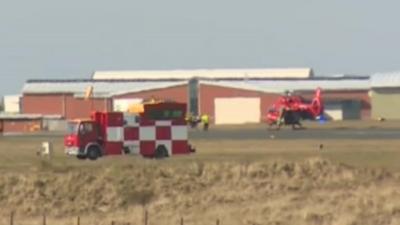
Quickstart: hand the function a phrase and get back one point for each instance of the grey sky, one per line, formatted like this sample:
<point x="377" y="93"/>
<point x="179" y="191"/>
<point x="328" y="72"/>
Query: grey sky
<point x="71" y="39"/>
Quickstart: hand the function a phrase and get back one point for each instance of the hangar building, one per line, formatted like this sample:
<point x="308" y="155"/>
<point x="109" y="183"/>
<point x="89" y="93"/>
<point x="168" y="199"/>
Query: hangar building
<point x="244" y="95"/>
<point x="228" y="96"/>
<point x="241" y="101"/>
<point x="194" y="79"/>
<point x="66" y="97"/>
<point x="385" y="95"/>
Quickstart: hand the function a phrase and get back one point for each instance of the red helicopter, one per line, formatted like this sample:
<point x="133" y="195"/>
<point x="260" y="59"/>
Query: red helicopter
<point x="290" y="110"/>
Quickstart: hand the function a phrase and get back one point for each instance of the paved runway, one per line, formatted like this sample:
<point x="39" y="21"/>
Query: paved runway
<point x="260" y="133"/>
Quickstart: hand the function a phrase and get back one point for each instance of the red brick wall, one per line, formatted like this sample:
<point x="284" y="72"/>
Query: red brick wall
<point x="71" y="108"/>
<point x="177" y="93"/>
<point x="64" y="105"/>
<point x="208" y="93"/>
<point x="81" y="108"/>
<point x="51" y="104"/>
<point x="21" y="126"/>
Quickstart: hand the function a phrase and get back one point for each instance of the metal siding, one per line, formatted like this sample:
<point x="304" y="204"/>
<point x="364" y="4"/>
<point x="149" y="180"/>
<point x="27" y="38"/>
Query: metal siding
<point x="386" y="103"/>
<point x="205" y="73"/>
<point x="382" y="80"/>
<point x="178" y="94"/>
<point x="101" y="89"/>
<point x="280" y="86"/>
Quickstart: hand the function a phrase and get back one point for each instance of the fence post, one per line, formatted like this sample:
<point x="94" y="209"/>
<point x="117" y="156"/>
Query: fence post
<point x="112" y="222"/>
<point x="78" y="221"/>
<point x="44" y="218"/>
<point x="146" y="217"/>
<point x="217" y="221"/>
<point x="182" y="222"/>
<point x="12" y="218"/>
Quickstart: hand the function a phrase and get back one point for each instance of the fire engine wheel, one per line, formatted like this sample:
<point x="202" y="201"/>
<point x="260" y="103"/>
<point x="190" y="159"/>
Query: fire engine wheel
<point x="93" y="153"/>
<point x="161" y="152"/>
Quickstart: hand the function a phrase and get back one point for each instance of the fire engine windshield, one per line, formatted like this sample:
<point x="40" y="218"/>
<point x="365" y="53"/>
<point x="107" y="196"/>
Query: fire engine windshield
<point x="73" y="127"/>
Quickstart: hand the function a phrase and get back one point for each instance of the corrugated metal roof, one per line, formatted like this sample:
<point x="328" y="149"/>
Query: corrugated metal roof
<point x="381" y="80"/>
<point x="204" y="73"/>
<point x="100" y="88"/>
<point x="280" y="86"/>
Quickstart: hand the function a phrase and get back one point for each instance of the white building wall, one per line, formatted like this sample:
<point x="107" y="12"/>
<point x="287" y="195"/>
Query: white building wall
<point x="12" y="103"/>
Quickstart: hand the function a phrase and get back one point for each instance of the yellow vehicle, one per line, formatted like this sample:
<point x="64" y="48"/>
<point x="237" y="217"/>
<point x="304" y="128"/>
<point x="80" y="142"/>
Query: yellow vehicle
<point x="139" y="107"/>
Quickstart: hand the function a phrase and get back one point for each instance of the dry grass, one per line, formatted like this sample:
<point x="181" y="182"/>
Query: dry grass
<point x="240" y="182"/>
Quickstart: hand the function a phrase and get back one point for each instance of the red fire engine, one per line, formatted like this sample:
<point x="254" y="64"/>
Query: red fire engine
<point x="158" y="131"/>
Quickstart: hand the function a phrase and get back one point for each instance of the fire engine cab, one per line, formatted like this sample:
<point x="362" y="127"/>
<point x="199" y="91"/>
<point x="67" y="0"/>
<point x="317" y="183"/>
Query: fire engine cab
<point x="158" y="131"/>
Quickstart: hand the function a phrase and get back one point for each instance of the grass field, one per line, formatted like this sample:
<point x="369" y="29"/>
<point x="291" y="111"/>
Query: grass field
<point x="246" y="182"/>
<point x="18" y="153"/>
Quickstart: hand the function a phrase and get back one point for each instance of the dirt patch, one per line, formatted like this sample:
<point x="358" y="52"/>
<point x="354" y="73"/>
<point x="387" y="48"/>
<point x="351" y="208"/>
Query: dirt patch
<point x="313" y="191"/>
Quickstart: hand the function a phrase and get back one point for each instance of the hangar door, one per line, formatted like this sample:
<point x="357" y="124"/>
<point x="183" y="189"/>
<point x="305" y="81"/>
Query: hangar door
<point x="333" y="110"/>
<point x="237" y="110"/>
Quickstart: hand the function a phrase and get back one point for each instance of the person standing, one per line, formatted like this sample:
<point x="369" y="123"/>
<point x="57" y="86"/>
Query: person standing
<point x="205" y="120"/>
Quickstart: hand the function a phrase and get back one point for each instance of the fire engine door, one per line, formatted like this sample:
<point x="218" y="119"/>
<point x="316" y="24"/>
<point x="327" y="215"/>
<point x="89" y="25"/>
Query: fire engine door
<point x="87" y="134"/>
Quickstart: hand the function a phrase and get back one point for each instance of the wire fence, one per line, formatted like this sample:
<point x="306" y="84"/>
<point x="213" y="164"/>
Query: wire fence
<point x="146" y="219"/>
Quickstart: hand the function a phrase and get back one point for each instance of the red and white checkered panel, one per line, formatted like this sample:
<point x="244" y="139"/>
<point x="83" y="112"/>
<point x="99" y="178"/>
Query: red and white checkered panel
<point x="114" y="119"/>
<point x="149" y="134"/>
<point x="114" y="133"/>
